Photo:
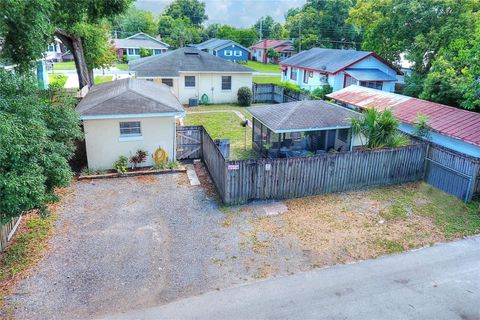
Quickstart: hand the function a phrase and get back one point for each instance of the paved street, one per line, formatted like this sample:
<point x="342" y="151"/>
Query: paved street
<point x="440" y="282"/>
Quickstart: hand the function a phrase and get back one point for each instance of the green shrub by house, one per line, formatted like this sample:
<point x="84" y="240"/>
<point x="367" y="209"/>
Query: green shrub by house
<point x="244" y="96"/>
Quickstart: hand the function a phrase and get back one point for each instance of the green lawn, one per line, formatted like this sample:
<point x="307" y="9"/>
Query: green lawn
<point x="221" y="107"/>
<point x="226" y="125"/>
<point x="57" y="79"/>
<point x="102" y="79"/>
<point x="267" y="79"/>
<point x="70" y="65"/>
<point x="121" y="66"/>
<point x="261" y="67"/>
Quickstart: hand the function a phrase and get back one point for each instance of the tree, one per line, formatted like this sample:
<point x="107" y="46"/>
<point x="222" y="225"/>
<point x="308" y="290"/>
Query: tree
<point x="37" y="133"/>
<point x="379" y="128"/>
<point x="322" y="23"/>
<point x="194" y="10"/>
<point x="134" y="21"/>
<point x="29" y="27"/>
<point x="178" y="32"/>
<point x="268" y="28"/>
<point x="244" y="36"/>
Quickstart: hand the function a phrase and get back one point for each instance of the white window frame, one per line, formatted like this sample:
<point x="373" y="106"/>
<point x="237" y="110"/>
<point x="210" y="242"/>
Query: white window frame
<point x="157" y="50"/>
<point x="228" y="53"/>
<point x="237" y="53"/>
<point x="124" y="136"/>
<point x="194" y="84"/>
<point x="230" y="89"/>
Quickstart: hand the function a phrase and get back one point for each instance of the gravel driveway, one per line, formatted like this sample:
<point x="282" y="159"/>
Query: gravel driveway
<point x="128" y="243"/>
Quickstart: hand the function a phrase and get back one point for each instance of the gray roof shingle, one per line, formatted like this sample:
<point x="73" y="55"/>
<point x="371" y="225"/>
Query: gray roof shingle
<point x="215" y="44"/>
<point x="329" y="60"/>
<point x="184" y="59"/>
<point x="140" y="40"/>
<point x="307" y="115"/>
<point x="129" y="96"/>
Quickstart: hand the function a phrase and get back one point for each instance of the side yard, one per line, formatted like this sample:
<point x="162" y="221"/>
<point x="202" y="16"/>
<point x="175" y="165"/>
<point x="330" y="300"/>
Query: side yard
<point x="263" y="67"/>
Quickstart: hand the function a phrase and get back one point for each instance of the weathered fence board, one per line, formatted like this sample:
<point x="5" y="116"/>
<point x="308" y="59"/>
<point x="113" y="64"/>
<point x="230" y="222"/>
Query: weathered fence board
<point x="452" y="172"/>
<point x="215" y="163"/>
<point x="6" y="232"/>
<point x="189" y="142"/>
<point x="297" y="177"/>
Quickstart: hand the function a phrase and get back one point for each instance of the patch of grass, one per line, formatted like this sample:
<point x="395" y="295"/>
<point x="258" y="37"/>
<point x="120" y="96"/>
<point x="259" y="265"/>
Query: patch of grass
<point x="25" y="249"/>
<point x="263" y="67"/>
<point x="121" y="66"/>
<point x="396" y="211"/>
<point x="226" y="125"/>
<point x="389" y="246"/>
<point x="69" y="65"/>
<point x="216" y="107"/>
<point x="267" y="79"/>
<point x="103" y="79"/>
<point x="57" y="79"/>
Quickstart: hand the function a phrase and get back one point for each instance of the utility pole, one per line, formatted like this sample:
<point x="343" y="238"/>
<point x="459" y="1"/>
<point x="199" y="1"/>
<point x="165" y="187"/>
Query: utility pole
<point x="299" y="37"/>
<point x="261" y="25"/>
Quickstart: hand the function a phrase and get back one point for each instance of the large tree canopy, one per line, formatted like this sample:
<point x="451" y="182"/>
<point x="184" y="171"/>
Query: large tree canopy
<point x="192" y="9"/>
<point x="268" y="28"/>
<point x="37" y="131"/>
<point x="134" y="21"/>
<point x="244" y="36"/>
<point x="322" y="23"/>
<point x="29" y="26"/>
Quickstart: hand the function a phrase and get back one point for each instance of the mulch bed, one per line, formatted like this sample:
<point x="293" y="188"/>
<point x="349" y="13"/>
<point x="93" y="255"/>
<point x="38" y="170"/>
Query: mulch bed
<point x="129" y="174"/>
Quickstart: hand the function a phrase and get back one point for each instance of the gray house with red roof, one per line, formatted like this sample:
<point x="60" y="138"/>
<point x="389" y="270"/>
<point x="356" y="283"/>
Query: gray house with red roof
<point x="338" y="68"/>
<point x="284" y="48"/>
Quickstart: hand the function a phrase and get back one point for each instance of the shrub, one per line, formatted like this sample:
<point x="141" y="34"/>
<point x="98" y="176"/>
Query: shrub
<point x="145" y="52"/>
<point x="244" y="96"/>
<point x="291" y="87"/>
<point x="320" y="93"/>
<point x="124" y="59"/>
<point x="121" y="165"/>
<point x="422" y="128"/>
<point x="139" y="157"/>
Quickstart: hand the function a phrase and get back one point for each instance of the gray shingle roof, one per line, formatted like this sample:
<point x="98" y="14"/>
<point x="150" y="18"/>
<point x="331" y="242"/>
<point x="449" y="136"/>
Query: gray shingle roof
<point x="184" y="59"/>
<point x="129" y="96"/>
<point x="329" y="60"/>
<point x="216" y="44"/>
<point x="305" y="115"/>
<point x="140" y="40"/>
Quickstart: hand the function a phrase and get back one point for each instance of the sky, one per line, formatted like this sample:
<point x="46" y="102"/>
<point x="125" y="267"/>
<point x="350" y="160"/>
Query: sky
<point x="238" y="13"/>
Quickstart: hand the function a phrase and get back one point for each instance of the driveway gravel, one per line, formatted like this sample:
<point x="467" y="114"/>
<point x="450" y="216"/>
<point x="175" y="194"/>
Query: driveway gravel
<point x="130" y="243"/>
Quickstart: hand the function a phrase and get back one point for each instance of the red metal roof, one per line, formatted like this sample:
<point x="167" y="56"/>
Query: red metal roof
<point x="265" y="44"/>
<point x="456" y="123"/>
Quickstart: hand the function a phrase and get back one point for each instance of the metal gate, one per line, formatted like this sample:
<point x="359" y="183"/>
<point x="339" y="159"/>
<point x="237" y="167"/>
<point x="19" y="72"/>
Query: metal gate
<point x="189" y="142"/>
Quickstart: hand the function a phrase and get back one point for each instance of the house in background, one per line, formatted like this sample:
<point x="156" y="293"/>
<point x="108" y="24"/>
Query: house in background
<point x="338" y="68"/>
<point x="130" y="47"/>
<point x="258" y="51"/>
<point x="194" y="74"/>
<point x="225" y="49"/>
<point x="57" y="52"/>
<point x="452" y="128"/>
<point x="123" y="116"/>
<point x="302" y="128"/>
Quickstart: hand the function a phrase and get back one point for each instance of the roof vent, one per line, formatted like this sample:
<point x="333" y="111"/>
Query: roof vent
<point x="324" y="67"/>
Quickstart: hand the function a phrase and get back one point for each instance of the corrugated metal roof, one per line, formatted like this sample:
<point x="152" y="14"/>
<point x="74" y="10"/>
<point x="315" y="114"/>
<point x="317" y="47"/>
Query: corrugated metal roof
<point x="304" y="115"/>
<point x="129" y="96"/>
<point x="265" y="44"/>
<point x="184" y="59"/>
<point x="370" y="75"/>
<point x="453" y="122"/>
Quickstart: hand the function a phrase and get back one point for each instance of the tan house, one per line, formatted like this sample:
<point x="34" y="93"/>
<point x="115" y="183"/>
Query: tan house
<point x="123" y="116"/>
<point x="194" y="74"/>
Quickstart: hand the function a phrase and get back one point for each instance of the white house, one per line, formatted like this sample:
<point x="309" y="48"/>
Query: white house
<point x="317" y="67"/>
<point x="123" y="116"/>
<point x="193" y="73"/>
<point x="131" y="46"/>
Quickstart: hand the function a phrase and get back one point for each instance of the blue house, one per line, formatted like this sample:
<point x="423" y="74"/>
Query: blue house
<point x="225" y="49"/>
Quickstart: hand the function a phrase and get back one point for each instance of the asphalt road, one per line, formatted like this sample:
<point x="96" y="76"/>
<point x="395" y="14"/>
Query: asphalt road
<point x="439" y="282"/>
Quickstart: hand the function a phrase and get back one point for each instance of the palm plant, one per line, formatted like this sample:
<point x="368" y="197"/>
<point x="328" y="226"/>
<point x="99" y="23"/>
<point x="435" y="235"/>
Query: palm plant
<point x="379" y="128"/>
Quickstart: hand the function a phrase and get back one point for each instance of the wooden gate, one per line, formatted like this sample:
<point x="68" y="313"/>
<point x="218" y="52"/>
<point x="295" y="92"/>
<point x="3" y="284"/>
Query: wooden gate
<point x="189" y="142"/>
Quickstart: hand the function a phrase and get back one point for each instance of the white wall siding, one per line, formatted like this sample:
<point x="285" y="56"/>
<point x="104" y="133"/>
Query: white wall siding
<point x="104" y="146"/>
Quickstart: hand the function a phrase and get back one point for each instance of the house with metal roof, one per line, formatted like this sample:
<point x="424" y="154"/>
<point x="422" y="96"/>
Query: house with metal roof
<point x="123" y="116"/>
<point x="338" y="68"/>
<point x="223" y="48"/>
<point x="195" y="74"/>
<point x="130" y="47"/>
<point x="301" y="128"/>
<point x="284" y="48"/>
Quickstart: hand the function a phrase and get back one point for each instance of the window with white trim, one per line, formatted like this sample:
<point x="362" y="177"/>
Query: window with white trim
<point x="156" y="52"/>
<point x="237" y="53"/>
<point x="130" y="129"/>
<point x="228" y="53"/>
<point x="189" y="81"/>
<point x="226" y="82"/>
<point x="372" y="84"/>
<point x="293" y="74"/>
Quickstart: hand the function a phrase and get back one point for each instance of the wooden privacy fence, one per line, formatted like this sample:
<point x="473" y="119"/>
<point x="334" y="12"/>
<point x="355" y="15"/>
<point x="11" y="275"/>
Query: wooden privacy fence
<point x="273" y="93"/>
<point x="189" y="142"/>
<point x="6" y="232"/>
<point x="238" y="182"/>
<point x="452" y="172"/>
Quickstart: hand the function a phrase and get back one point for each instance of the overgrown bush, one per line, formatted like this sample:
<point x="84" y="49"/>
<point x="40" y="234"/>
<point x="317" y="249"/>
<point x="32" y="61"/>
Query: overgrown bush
<point x="145" y="52"/>
<point x="320" y="93"/>
<point x="291" y="87"/>
<point x="121" y="165"/>
<point x="139" y="157"/>
<point x="422" y="127"/>
<point x="244" y="96"/>
<point x="37" y="133"/>
<point x="125" y="58"/>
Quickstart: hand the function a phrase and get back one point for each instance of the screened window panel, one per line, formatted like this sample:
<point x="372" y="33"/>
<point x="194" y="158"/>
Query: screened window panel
<point x="130" y="128"/>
